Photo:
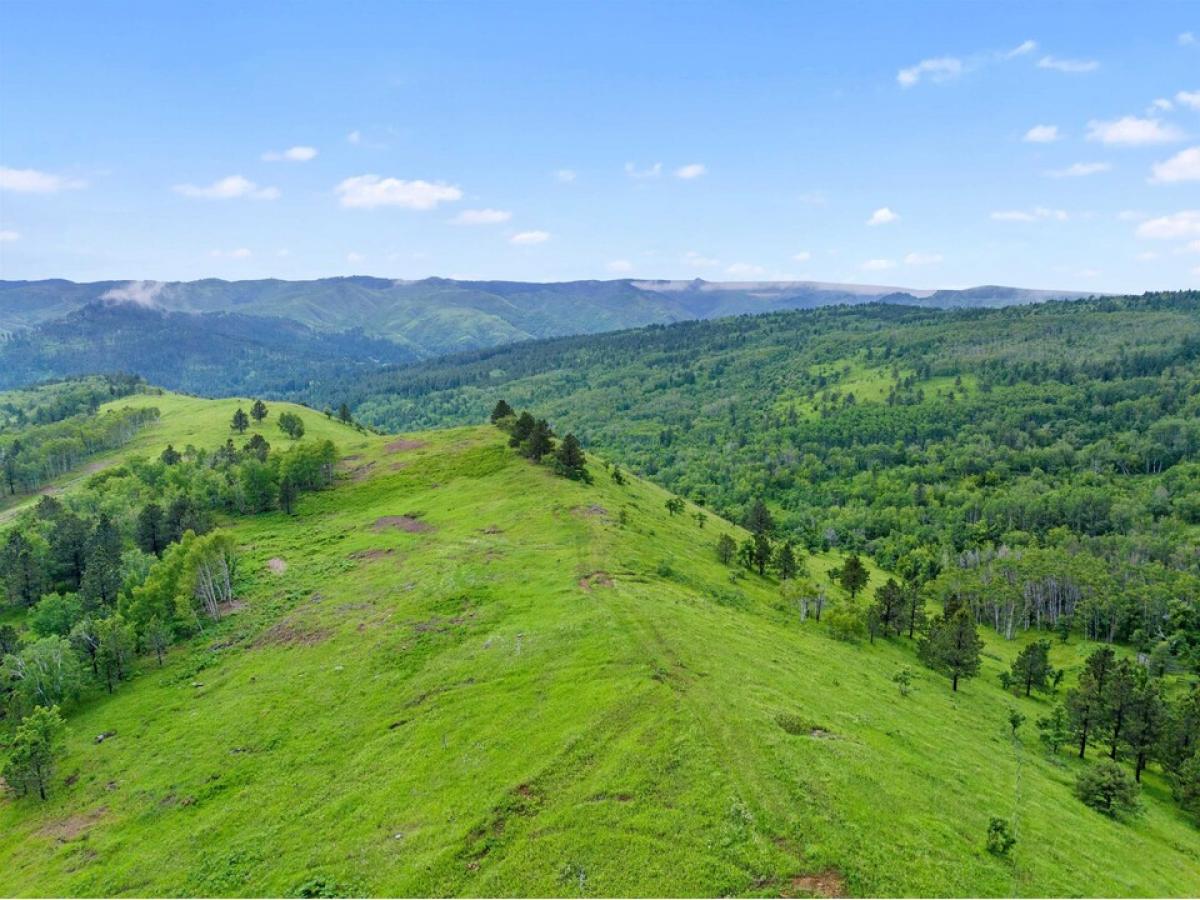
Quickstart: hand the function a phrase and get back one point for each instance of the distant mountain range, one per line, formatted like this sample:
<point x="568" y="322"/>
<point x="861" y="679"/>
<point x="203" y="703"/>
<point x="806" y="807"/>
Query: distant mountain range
<point x="434" y="316"/>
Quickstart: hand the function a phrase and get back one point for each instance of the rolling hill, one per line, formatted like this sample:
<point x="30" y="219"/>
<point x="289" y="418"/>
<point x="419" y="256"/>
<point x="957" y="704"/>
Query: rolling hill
<point x="433" y="316"/>
<point x="454" y="673"/>
<point x="209" y="353"/>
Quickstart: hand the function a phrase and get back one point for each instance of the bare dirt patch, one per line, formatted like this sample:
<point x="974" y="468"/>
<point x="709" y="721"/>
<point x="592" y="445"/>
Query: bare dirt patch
<point x="277" y="565"/>
<point x="289" y="634"/>
<point x="410" y="524"/>
<point x="374" y="553"/>
<point x="359" y="473"/>
<point x="596" y="579"/>
<point x="594" y="511"/>
<point x="73" y="827"/>
<point x="830" y="883"/>
<point x="493" y="529"/>
<point x="399" y="446"/>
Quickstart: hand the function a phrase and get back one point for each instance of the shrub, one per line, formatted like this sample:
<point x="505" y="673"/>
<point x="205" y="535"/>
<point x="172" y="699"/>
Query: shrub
<point x="1108" y="788"/>
<point x="999" y="838"/>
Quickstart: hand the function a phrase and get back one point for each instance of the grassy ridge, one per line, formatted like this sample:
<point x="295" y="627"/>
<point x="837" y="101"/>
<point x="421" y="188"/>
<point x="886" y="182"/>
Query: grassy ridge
<point x="184" y="420"/>
<point x="509" y="692"/>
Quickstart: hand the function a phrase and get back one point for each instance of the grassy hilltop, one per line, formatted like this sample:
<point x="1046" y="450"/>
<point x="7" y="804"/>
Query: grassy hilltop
<point x="455" y="673"/>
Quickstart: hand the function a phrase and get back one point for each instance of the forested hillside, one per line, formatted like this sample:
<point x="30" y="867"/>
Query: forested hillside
<point x="266" y="653"/>
<point x="433" y="316"/>
<point x="1044" y="461"/>
<point x="211" y="353"/>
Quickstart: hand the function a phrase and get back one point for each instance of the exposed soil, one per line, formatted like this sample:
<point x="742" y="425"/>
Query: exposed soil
<point x="402" y="445"/>
<point x="830" y="883"/>
<point x="591" y="512"/>
<point x="359" y="473"/>
<point x="288" y="634"/>
<point x="372" y="554"/>
<point x="72" y="827"/>
<point x="493" y="529"/>
<point x="402" y="523"/>
<point x="277" y="565"/>
<point x="596" y="579"/>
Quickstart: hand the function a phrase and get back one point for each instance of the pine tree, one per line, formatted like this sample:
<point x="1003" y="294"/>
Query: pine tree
<point x="1054" y="729"/>
<point x="888" y="609"/>
<point x="34" y="749"/>
<point x="762" y="552"/>
<point x="726" y="548"/>
<point x="854" y="576"/>
<point x="1032" y="667"/>
<point x="287" y="494"/>
<point x="501" y="411"/>
<point x="1085" y="702"/>
<point x="540" y="441"/>
<point x="258" y="411"/>
<point x="22" y="568"/>
<point x="758" y="519"/>
<point x="521" y="429"/>
<point x="150" y="532"/>
<point x="1146" y="722"/>
<point x="785" y="561"/>
<point x="569" y="460"/>
<point x="344" y="414"/>
<point x="953" y="647"/>
<point x="102" y="578"/>
<point x="240" y="421"/>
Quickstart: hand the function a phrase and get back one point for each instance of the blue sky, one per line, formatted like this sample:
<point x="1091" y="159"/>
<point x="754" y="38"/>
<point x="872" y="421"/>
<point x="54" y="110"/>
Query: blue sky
<point x="919" y="144"/>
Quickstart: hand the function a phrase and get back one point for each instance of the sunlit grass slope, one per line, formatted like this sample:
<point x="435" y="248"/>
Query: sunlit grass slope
<point x="185" y="420"/>
<point x="457" y="674"/>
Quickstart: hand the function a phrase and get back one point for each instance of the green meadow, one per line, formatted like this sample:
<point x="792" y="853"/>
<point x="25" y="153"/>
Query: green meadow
<point x="454" y="673"/>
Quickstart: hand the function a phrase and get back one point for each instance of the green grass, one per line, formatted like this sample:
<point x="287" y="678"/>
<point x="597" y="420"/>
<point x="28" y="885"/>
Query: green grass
<point x="185" y="420"/>
<point x="528" y="698"/>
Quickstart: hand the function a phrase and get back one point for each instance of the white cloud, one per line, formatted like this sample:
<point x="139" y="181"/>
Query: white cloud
<point x="529" y="238"/>
<point x="1070" y="66"/>
<point x="882" y="216"/>
<point x="814" y="198"/>
<point x="692" y="258"/>
<point x="744" y="270"/>
<point x="1131" y="215"/>
<point x="354" y="257"/>
<point x="802" y="256"/>
<point x="1187" y="39"/>
<point x="1183" y="166"/>
<point x="1177" y="226"/>
<point x="566" y="176"/>
<point x="878" y="265"/>
<point x="239" y="253"/>
<point x="291" y="154"/>
<point x="691" y="170"/>
<point x="1089" y="273"/>
<point x="922" y="259"/>
<point x="227" y="189"/>
<point x="482" y="217"/>
<point x="1190" y="99"/>
<point x="1021" y="49"/>
<point x="620" y="266"/>
<point x="1193" y="247"/>
<point x="370" y="191"/>
<point x="354" y="137"/>
<point x="1131" y="131"/>
<point x="1042" y="134"/>
<point x="143" y="293"/>
<point x="653" y="171"/>
<point x="1037" y="214"/>
<point x="7" y="235"/>
<point x="31" y="181"/>
<point x="942" y="68"/>
<point x="1080" y="170"/>
<point x="1146" y="256"/>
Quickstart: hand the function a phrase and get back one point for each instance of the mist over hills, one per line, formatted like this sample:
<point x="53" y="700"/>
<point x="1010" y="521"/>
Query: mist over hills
<point x="434" y="316"/>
